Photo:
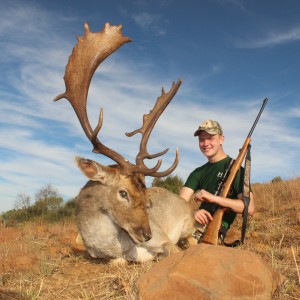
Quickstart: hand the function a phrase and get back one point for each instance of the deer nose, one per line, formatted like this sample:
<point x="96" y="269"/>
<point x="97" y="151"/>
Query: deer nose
<point x="147" y="236"/>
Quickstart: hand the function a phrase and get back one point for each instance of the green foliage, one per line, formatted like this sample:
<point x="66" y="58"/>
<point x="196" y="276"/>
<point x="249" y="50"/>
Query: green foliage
<point x="276" y="179"/>
<point x="170" y="183"/>
<point x="67" y="210"/>
<point x="48" y="205"/>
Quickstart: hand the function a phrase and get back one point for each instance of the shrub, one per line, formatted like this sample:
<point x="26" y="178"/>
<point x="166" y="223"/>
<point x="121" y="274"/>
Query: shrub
<point x="171" y="183"/>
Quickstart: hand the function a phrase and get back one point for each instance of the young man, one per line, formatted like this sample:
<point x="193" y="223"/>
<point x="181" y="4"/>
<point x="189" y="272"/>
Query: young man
<point x="203" y="181"/>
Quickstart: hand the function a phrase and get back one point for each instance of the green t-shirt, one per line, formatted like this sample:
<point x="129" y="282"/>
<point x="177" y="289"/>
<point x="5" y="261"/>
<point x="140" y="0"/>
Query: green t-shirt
<point x="208" y="177"/>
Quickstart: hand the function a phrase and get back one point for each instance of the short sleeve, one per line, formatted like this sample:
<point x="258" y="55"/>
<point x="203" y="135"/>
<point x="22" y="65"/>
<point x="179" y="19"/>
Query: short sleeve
<point x="193" y="181"/>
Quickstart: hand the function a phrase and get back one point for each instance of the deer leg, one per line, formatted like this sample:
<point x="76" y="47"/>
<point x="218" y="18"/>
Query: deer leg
<point x="169" y="248"/>
<point x="118" y="262"/>
<point x="160" y="242"/>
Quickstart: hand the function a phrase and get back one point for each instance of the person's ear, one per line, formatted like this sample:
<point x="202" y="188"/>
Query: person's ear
<point x="222" y="138"/>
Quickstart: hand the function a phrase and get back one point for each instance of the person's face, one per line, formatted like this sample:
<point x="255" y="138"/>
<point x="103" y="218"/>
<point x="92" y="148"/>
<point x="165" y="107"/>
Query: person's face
<point x="210" y="144"/>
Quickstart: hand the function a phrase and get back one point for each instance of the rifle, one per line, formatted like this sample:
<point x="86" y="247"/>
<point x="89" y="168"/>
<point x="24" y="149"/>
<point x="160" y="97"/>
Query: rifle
<point x="212" y="231"/>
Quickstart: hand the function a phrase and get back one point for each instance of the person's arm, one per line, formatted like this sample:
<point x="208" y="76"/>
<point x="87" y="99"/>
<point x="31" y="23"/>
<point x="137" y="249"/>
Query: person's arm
<point x="186" y="193"/>
<point x="202" y="216"/>
<point x="237" y="205"/>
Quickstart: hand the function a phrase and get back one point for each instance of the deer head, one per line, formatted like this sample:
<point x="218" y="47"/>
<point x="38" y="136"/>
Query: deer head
<point x="90" y="51"/>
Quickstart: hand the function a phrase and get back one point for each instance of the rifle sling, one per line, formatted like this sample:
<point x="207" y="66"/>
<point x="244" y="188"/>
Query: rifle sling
<point x="246" y="192"/>
<point x="246" y="199"/>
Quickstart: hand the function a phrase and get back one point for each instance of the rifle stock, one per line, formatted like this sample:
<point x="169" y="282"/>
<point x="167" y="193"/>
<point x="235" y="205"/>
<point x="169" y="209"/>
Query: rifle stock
<point x="212" y="231"/>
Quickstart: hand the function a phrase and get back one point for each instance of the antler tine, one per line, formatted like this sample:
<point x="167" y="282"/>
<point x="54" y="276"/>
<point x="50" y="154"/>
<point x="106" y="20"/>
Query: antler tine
<point x="149" y="121"/>
<point x="170" y="170"/>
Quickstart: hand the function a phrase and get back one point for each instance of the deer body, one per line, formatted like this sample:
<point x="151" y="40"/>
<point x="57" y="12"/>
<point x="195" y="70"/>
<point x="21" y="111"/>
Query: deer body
<point x="136" y="227"/>
<point x="117" y="216"/>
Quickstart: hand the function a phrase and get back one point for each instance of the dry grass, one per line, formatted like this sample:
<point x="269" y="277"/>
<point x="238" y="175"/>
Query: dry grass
<point x="41" y="261"/>
<point x="274" y="231"/>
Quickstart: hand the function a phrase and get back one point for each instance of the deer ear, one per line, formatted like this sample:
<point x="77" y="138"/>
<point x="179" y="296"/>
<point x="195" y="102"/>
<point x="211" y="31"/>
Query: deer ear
<point x="93" y="170"/>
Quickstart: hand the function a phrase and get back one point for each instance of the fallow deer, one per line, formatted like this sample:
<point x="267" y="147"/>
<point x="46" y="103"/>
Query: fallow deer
<point x="117" y="216"/>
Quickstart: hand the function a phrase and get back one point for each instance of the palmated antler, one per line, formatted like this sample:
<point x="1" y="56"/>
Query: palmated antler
<point x="90" y="51"/>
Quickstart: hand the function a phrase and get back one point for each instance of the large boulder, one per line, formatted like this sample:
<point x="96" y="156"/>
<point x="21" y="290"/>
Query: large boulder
<point x="209" y="272"/>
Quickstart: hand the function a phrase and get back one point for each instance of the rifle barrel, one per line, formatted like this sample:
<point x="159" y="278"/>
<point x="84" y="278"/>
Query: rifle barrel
<point x="258" y="116"/>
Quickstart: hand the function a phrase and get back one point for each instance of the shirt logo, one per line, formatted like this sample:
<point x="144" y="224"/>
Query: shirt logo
<point x="220" y="175"/>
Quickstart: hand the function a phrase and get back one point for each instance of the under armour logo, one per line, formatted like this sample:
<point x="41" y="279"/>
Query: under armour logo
<point x="220" y="175"/>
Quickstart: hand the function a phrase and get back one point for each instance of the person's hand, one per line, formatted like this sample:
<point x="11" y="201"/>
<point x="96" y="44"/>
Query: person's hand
<point x="204" y="196"/>
<point x="203" y="217"/>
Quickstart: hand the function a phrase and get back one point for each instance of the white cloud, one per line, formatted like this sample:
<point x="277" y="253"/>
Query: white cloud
<point x="151" y="22"/>
<point x="271" y="39"/>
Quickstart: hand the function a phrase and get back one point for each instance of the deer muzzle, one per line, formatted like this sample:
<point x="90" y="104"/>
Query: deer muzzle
<point x="140" y="234"/>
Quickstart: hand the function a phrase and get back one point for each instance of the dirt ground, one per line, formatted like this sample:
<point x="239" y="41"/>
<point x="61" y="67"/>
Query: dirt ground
<point x="44" y="262"/>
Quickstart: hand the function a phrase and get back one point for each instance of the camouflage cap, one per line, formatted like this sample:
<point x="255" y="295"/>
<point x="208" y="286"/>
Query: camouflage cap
<point x="210" y="126"/>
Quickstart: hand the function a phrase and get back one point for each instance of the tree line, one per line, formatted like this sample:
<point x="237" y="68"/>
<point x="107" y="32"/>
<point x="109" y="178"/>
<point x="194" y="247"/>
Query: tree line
<point x="47" y="205"/>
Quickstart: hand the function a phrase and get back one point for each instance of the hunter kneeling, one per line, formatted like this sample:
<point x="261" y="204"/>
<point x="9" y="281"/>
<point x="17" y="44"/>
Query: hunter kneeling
<point x="205" y="182"/>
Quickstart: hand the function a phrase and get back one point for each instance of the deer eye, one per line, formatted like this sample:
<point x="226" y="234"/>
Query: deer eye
<point x="123" y="194"/>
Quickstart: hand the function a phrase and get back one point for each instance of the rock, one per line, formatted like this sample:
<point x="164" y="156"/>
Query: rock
<point x="209" y="272"/>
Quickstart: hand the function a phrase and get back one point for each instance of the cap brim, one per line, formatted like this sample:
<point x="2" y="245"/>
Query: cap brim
<point x="197" y="132"/>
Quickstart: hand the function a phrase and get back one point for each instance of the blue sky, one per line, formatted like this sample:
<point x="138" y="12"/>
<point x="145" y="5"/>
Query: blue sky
<point x="230" y="55"/>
